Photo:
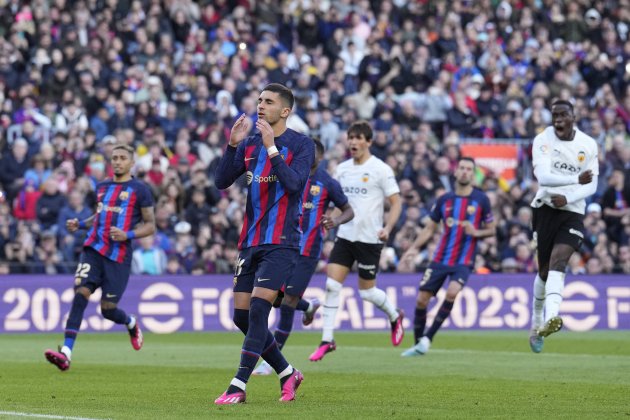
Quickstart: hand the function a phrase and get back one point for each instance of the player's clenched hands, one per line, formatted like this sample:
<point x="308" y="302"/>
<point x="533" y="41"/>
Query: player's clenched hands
<point x="383" y="235"/>
<point x="585" y="177"/>
<point x="240" y="129"/>
<point x="266" y="131"/>
<point x="72" y="225"/>
<point x="117" y="235"/>
<point x="558" y="200"/>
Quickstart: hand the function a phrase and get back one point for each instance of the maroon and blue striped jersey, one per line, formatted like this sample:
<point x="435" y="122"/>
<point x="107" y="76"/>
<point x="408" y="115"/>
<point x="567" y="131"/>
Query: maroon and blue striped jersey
<point x="274" y="186"/>
<point x="321" y="190"/>
<point x="455" y="246"/>
<point x="118" y="204"/>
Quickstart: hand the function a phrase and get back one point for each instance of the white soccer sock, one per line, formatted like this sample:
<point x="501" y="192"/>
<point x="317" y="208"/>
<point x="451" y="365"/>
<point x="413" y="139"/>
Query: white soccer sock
<point x="331" y="304"/>
<point x="538" y="302"/>
<point x="66" y="350"/>
<point x="286" y="372"/>
<point x="238" y="383"/>
<point x="379" y="298"/>
<point x="132" y="323"/>
<point x="553" y="294"/>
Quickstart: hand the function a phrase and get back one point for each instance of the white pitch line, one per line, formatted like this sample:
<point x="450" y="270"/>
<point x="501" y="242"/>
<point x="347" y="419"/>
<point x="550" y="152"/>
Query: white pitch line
<point x="41" y="416"/>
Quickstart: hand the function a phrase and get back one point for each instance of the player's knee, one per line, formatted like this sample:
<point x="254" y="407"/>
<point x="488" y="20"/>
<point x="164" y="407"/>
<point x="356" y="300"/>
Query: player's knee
<point x="108" y="312"/>
<point x="423" y="300"/>
<point x="241" y="319"/>
<point x="290" y="300"/>
<point x="333" y="285"/>
<point x="83" y="291"/>
<point x="259" y="311"/>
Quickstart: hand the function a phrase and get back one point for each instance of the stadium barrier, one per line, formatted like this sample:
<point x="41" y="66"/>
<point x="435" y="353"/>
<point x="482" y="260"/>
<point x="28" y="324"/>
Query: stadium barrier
<point x="168" y="304"/>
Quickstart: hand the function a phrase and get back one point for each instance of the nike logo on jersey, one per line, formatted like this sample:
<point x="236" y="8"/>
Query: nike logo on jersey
<point x="109" y="295"/>
<point x="261" y="280"/>
<point x="246" y="159"/>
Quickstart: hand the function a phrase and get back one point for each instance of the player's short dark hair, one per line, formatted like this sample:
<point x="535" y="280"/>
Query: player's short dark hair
<point x="361" y="127"/>
<point x="286" y="96"/>
<point x="125" y="147"/>
<point x="562" y="102"/>
<point x="319" y="147"/>
<point x="469" y="159"/>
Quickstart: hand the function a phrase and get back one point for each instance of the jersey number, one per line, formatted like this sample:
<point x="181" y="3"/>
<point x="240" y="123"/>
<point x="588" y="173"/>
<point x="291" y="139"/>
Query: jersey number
<point x="82" y="270"/>
<point x="426" y="277"/>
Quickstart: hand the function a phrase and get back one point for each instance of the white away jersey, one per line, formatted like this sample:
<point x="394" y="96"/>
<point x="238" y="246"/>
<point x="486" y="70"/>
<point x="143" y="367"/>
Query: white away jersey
<point x="564" y="159"/>
<point x="367" y="186"/>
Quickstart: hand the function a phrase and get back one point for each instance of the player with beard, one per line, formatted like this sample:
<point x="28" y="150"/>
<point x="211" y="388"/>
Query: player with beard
<point x="466" y="216"/>
<point x="566" y="166"/>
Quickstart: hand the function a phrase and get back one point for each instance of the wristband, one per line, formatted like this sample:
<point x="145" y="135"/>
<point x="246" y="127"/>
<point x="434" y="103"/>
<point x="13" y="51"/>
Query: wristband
<point x="272" y="149"/>
<point x="131" y="234"/>
<point x="81" y="224"/>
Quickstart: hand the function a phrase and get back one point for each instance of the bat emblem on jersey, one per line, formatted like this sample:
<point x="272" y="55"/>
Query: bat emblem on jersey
<point x="581" y="156"/>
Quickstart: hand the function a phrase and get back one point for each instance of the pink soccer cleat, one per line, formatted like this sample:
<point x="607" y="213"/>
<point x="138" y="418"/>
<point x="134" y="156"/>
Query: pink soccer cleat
<point x="307" y="317"/>
<point x="58" y="359"/>
<point x="229" y="399"/>
<point x="324" y="347"/>
<point x="136" y="337"/>
<point x="398" y="332"/>
<point x="291" y="385"/>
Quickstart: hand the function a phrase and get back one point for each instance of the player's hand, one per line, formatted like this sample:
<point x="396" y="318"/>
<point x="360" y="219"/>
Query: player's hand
<point x="117" y="235"/>
<point x="329" y="222"/>
<point x="266" y="131"/>
<point x="558" y="200"/>
<point x="409" y="254"/>
<point x="383" y="235"/>
<point x="585" y="177"/>
<point x="469" y="229"/>
<point x="72" y="225"/>
<point x="240" y="129"/>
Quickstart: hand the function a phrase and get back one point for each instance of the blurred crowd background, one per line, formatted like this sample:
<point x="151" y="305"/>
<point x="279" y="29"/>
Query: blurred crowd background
<point x="169" y="77"/>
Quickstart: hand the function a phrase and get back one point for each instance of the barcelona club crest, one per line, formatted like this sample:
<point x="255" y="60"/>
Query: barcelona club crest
<point x="581" y="156"/>
<point x="315" y="190"/>
<point x="471" y="210"/>
<point x="124" y="195"/>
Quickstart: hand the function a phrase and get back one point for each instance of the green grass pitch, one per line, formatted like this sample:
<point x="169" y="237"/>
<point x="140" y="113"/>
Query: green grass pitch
<point x="467" y="375"/>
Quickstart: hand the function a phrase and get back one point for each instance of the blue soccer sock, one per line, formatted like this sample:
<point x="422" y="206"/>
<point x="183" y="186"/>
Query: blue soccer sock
<point x="285" y="325"/>
<point x="419" y="322"/>
<point x="271" y="353"/>
<point x="79" y="303"/>
<point x="116" y="315"/>
<point x="255" y="338"/>
<point x="303" y="305"/>
<point x="443" y="313"/>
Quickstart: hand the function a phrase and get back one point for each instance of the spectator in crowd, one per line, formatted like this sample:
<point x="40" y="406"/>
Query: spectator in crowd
<point x="423" y="74"/>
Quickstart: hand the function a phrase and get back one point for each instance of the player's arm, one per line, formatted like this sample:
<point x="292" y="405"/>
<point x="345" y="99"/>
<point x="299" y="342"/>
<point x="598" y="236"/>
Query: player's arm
<point x="425" y="235"/>
<point x="587" y="185"/>
<point x="230" y="167"/>
<point x="330" y="222"/>
<point x="140" y="231"/>
<point x="75" y="224"/>
<point x="293" y="177"/>
<point x="541" y="157"/>
<point x="395" y="208"/>
<point x="489" y="229"/>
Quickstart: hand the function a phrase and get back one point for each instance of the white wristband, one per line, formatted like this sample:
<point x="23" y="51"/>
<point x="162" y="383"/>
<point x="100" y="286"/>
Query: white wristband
<point x="271" y="150"/>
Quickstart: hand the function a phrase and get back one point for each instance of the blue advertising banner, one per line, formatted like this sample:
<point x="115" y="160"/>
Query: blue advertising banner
<point x="204" y="303"/>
